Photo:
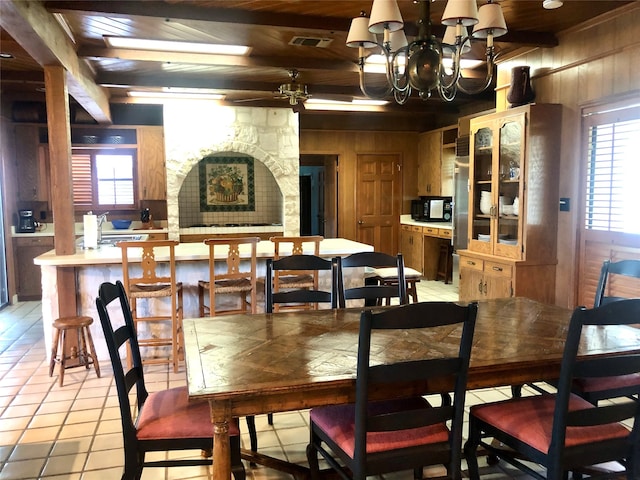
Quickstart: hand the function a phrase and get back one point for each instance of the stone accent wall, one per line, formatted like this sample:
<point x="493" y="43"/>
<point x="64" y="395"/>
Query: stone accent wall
<point x="193" y="130"/>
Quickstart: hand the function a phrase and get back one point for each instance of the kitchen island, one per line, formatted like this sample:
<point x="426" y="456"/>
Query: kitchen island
<point x="104" y="264"/>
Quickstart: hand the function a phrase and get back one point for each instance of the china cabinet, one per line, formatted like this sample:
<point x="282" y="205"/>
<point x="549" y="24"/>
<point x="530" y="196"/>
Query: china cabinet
<point x="513" y="210"/>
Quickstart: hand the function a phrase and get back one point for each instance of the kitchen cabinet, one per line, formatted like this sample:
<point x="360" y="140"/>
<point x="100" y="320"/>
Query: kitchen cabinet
<point x="513" y="209"/>
<point x="436" y="153"/>
<point x="32" y="164"/>
<point x="152" y="178"/>
<point x="411" y="241"/>
<point x="28" y="277"/>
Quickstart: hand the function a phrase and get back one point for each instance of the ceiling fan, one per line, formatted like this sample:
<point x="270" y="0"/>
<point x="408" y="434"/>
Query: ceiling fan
<point x="294" y="91"/>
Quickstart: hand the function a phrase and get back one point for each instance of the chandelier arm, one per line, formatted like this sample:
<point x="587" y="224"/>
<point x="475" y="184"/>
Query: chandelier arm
<point x="488" y="78"/>
<point x="401" y="97"/>
<point x="448" y="93"/>
<point x="399" y="82"/>
<point x="363" y="88"/>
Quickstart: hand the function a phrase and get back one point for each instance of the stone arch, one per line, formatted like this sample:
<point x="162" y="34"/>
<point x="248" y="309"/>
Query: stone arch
<point x="268" y="135"/>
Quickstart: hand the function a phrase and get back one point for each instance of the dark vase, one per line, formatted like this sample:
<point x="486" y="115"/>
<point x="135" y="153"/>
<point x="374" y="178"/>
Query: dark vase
<point x="520" y="92"/>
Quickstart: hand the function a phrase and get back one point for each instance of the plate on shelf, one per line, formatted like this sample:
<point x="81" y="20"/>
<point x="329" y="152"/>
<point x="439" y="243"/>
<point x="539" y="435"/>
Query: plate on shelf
<point x="483" y="237"/>
<point x="508" y="241"/>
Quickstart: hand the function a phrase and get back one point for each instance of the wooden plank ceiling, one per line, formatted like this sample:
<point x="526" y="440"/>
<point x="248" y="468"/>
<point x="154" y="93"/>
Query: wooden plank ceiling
<point x="267" y="27"/>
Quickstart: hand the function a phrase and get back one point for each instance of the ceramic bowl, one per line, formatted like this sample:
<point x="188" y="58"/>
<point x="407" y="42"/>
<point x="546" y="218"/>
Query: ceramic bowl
<point x="121" y="224"/>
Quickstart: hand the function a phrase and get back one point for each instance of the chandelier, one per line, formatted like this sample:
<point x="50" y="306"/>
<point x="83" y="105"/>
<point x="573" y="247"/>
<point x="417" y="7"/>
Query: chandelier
<point x="420" y="65"/>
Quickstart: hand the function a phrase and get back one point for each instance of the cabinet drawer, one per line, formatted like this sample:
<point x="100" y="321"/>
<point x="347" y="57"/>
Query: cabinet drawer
<point x="416" y="229"/>
<point x="471" y="263"/>
<point x="430" y="231"/>
<point x="34" y="241"/>
<point x="498" y="268"/>
<point x="445" y="232"/>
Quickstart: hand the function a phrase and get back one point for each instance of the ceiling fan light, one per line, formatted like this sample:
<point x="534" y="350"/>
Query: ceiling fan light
<point x="491" y="21"/>
<point x="551" y="4"/>
<point x="463" y="11"/>
<point x="359" y="34"/>
<point x="385" y="14"/>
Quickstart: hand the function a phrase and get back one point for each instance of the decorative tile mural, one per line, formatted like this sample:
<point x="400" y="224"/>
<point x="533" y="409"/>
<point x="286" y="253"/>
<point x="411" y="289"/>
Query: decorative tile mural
<point x="226" y="184"/>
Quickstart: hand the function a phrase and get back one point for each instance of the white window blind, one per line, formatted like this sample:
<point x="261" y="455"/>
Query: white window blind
<point x="613" y="171"/>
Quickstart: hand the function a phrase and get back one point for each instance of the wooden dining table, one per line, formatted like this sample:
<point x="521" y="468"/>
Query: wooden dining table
<point x="255" y="364"/>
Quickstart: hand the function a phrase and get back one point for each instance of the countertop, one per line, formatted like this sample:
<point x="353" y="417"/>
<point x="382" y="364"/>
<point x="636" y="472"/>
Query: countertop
<point x="104" y="255"/>
<point x="407" y="220"/>
<point x="48" y="230"/>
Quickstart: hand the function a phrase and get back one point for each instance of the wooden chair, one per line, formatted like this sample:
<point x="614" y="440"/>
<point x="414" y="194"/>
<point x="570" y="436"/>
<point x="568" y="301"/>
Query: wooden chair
<point x="564" y="432"/>
<point x="304" y="296"/>
<point x="373" y="292"/>
<point x="159" y="421"/>
<point x="150" y="284"/>
<point x="235" y="280"/>
<point x="287" y="246"/>
<point x="372" y="438"/>
<point x="596" y="389"/>
<point x="626" y="268"/>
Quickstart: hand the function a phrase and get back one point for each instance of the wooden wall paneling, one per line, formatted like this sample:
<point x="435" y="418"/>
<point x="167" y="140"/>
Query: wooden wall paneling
<point x="591" y="61"/>
<point x="347" y="145"/>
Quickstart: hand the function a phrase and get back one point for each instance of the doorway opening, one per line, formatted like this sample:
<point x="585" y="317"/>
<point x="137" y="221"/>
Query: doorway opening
<point x="318" y="195"/>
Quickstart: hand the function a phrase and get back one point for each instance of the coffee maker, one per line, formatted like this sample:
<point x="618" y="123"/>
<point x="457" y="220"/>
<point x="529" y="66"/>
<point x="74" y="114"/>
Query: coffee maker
<point x="26" y="222"/>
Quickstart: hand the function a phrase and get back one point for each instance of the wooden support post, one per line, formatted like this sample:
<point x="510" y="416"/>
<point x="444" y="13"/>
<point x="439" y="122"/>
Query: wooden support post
<point x="61" y="180"/>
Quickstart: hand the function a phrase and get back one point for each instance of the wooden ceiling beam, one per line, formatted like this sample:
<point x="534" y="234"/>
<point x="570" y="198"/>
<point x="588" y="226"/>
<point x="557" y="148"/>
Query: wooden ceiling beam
<point x="42" y="37"/>
<point x="187" y="11"/>
<point x="304" y="63"/>
<point x="211" y="82"/>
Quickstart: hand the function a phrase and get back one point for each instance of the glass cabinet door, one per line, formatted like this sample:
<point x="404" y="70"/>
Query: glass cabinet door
<point x="510" y="154"/>
<point x="482" y="194"/>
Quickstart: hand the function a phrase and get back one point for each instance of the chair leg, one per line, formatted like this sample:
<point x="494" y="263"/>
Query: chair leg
<point x="312" y="460"/>
<point x="253" y="436"/>
<point x="54" y="351"/>
<point x="63" y="357"/>
<point x="270" y="418"/>
<point x="92" y="350"/>
<point x="471" y="451"/>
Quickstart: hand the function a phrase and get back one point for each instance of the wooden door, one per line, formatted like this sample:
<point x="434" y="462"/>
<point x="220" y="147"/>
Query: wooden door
<point x="378" y="200"/>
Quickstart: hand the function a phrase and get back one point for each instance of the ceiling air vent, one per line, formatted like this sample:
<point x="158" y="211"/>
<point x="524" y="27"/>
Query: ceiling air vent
<point x="311" y="41"/>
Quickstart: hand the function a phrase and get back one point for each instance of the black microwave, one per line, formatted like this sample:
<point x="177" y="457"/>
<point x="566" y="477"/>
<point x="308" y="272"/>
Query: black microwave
<point x="432" y="209"/>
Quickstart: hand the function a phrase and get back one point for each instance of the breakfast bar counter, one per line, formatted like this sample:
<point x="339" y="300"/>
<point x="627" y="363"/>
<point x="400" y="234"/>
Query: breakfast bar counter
<point x="93" y="267"/>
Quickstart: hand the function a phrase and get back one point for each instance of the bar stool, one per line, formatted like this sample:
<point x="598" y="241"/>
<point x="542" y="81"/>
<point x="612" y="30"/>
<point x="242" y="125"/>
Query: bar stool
<point x="388" y="276"/>
<point x="234" y="280"/>
<point x="445" y="262"/>
<point x="85" y="352"/>
<point x="151" y="282"/>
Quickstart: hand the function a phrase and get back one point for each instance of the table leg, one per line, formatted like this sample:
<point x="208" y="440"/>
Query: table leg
<point x="221" y="453"/>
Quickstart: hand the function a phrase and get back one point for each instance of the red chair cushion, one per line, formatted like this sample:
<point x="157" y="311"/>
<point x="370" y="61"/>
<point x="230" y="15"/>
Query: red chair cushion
<point x="338" y="422"/>
<point x="169" y="414"/>
<point x="530" y="419"/>
<point x="607" y="383"/>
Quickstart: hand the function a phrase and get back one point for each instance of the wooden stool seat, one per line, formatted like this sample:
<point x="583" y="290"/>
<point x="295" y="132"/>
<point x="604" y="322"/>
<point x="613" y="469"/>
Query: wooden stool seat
<point x="445" y="262"/>
<point x="84" y="353"/>
<point x="388" y="276"/>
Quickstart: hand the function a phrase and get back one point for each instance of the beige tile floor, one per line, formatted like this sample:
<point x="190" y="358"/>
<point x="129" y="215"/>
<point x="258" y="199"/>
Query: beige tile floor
<point x="73" y="432"/>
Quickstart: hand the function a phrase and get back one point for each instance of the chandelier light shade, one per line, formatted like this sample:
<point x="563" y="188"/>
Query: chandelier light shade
<point x="359" y="34"/>
<point x="418" y="65"/>
<point x="492" y="23"/>
<point x="464" y="12"/>
<point x="385" y="15"/>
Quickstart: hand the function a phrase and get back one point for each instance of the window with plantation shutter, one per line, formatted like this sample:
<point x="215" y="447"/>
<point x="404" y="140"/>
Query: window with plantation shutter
<point x="613" y="171"/>
<point x="82" y="180"/>
<point x="610" y="218"/>
<point x="103" y="179"/>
